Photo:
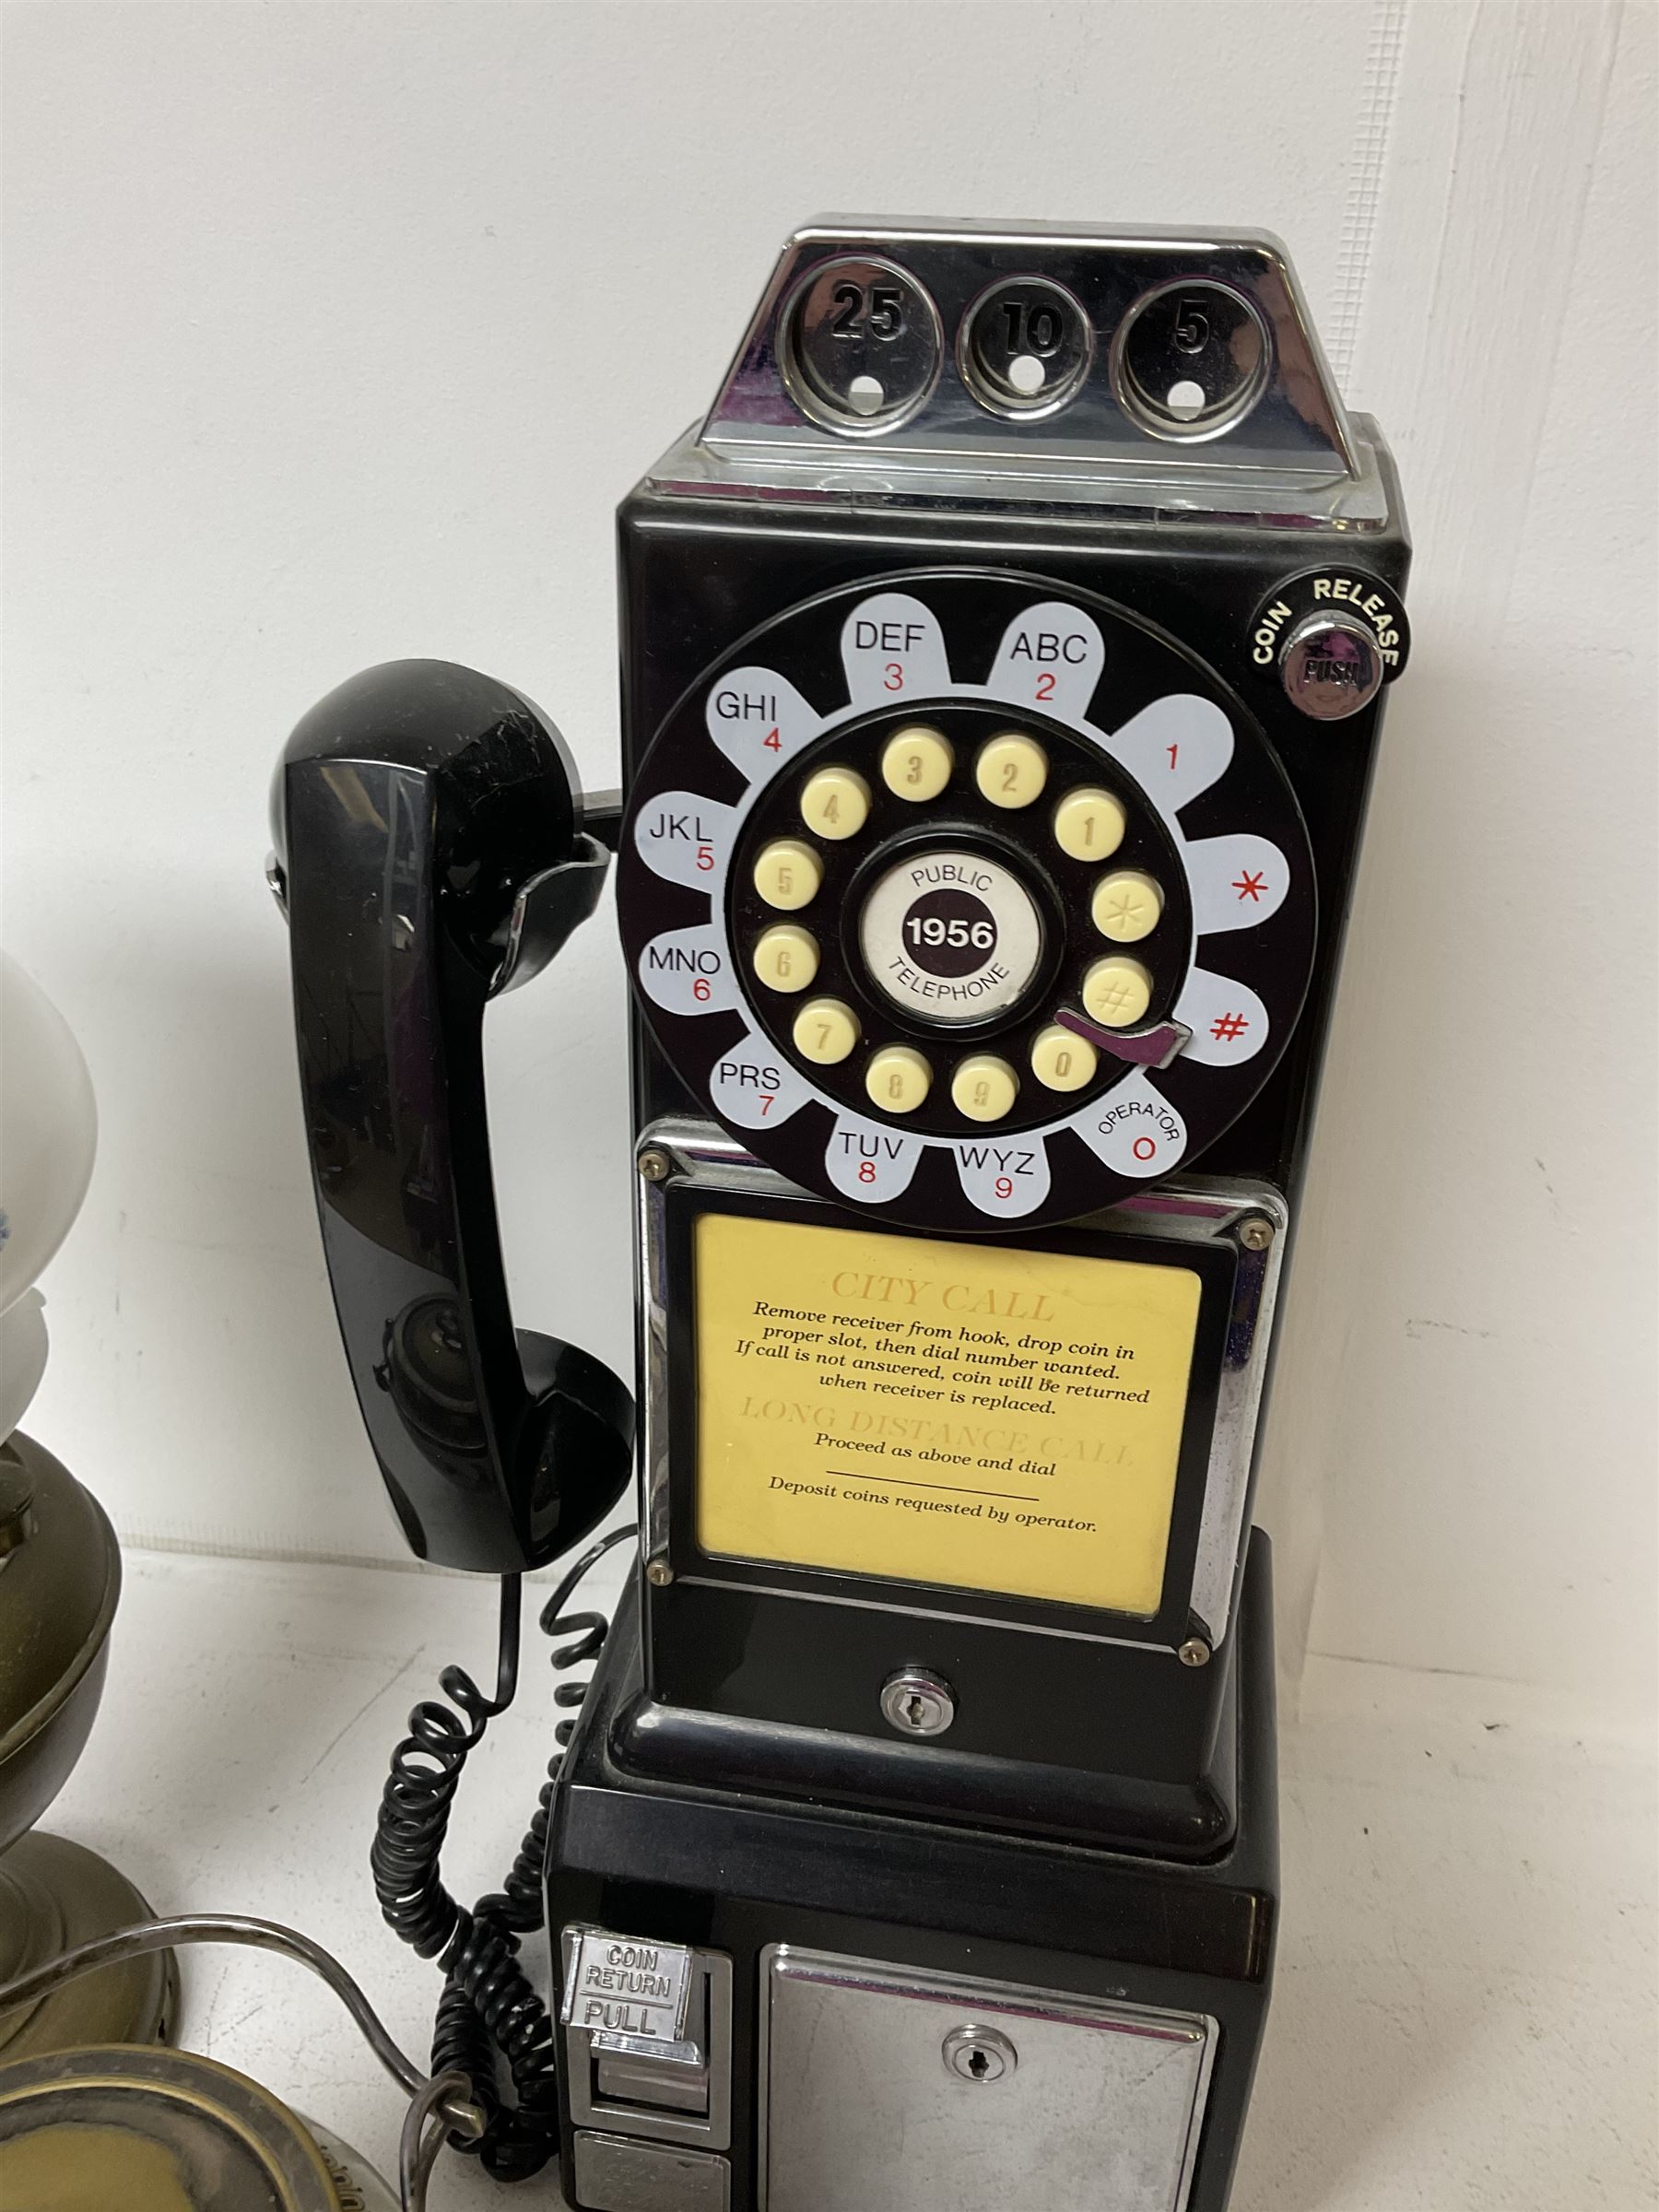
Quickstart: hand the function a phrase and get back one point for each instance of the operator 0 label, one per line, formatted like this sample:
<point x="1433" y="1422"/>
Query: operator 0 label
<point x="967" y="1414"/>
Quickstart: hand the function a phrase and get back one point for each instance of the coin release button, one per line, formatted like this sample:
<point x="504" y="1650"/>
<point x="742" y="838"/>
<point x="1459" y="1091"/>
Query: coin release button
<point x="824" y="1032"/>
<point x="985" y="1087"/>
<point x="1011" y="769"/>
<point x="836" y="803"/>
<point x="786" y="958"/>
<point x="1330" y="665"/>
<point x="1126" y="906"/>
<point x="1089" y="825"/>
<point x="1117" y="992"/>
<point x="1061" y="1061"/>
<point x="916" y="764"/>
<point x="787" y="875"/>
<point x="899" y="1079"/>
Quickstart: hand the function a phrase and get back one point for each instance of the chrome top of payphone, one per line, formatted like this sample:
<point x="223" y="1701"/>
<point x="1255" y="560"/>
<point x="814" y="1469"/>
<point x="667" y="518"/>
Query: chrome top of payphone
<point x="1164" y="373"/>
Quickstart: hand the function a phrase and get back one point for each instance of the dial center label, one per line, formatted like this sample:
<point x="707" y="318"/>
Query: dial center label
<point x="975" y="1416"/>
<point x="950" y="933"/>
<point x="951" y="936"/>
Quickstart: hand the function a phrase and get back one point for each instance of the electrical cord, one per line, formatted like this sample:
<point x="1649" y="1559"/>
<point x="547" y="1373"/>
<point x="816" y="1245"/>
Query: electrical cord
<point x="487" y="2009"/>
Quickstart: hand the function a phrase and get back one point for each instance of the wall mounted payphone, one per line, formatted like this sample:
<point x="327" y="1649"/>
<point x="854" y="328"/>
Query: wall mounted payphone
<point x="1003" y="660"/>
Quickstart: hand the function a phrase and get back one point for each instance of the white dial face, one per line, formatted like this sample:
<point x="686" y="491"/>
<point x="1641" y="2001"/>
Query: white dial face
<point x="950" y="936"/>
<point x="775" y="944"/>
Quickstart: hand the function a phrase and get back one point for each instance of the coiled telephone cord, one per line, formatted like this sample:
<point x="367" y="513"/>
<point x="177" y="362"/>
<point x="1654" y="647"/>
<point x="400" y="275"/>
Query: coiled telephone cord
<point x="488" y="2006"/>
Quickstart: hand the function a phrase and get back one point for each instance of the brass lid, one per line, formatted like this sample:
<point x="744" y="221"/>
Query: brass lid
<point x="151" y="2130"/>
<point x="60" y="1575"/>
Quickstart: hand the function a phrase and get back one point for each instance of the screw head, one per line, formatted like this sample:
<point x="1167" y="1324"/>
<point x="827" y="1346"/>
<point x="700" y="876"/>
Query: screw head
<point x="656" y="1166"/>
<point x="659" y="1575"/>
<point x="917" y="1703"/>
<point x="1256" y="1234"/>
<point x="1195" y="1652"/>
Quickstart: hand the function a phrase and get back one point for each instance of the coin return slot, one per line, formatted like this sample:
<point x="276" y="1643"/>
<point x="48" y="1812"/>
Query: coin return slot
<point x="657" y="2084"/>
<point x="678" y="2092"/>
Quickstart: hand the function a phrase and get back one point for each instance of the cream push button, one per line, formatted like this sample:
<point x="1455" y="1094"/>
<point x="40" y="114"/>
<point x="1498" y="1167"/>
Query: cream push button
<point x="787" y="875"/>
<point x="786" y="958"/>
<point x="950" y="936"/>
<point x="1126" y="906"/>
<point x="1062" y="1062"/>
<point x="824" y="1032"/>
<point x="899" y="1079"/>
<point x="1117" y="992"/>
<point x="836" y="803"/>
<point x="1089" y="824"/>
<point x="1011" y="770"/>
<point x="985" y="1087"/>
<point x="916" y="764"/>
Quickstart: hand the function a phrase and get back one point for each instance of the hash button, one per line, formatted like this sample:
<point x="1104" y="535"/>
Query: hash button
<point x="1117" y="992"/>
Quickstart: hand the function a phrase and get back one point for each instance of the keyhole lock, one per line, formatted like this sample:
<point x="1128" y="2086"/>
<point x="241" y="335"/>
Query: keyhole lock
<point x="917" y="1702"/>
<point x="979" y="2054"/>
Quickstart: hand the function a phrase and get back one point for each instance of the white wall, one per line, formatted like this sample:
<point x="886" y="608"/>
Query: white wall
<point x="334" y="333"/>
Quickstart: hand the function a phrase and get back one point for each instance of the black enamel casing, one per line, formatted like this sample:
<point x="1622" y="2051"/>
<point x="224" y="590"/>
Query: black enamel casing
<point x="736" y="1870"/>
<point x="726" y="1661"/>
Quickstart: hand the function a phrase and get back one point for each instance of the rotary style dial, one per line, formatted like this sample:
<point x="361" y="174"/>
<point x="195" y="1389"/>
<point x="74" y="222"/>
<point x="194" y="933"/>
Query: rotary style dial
<point x="967" y="904"/>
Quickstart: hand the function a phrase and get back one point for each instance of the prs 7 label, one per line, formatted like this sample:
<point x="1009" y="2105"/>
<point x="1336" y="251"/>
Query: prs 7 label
<point x="969" y="1415"/>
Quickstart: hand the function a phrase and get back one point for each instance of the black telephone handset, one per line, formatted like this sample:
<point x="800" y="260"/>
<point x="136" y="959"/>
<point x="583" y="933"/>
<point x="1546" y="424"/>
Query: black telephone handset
<point x="429" y="853"/>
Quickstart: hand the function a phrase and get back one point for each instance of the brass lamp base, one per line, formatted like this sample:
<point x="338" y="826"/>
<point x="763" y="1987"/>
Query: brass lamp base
<point x="53" y="1895"/>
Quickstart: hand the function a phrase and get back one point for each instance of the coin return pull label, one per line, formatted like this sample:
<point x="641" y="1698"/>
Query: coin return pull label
<point x="628" y="1994"/>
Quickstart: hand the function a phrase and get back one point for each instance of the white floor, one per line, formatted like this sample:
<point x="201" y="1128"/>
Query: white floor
<point x="1464" y="2021"/>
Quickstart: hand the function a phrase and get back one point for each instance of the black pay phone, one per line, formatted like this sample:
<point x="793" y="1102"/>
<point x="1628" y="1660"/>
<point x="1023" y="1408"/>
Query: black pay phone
<point x="1003" y="659"/>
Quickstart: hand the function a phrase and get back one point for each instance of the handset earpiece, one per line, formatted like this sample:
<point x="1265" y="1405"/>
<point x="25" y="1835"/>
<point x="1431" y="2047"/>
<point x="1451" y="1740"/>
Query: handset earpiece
<point x="430" y="852"/>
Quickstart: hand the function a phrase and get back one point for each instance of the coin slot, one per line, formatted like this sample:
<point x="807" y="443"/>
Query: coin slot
<point x="860" y="345"/>
<point x="1024" y="347"/>
<point x="1190" y="360"/>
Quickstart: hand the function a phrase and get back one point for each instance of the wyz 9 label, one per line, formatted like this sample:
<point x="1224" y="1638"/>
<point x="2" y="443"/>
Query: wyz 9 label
<point x="964" y="1414"/>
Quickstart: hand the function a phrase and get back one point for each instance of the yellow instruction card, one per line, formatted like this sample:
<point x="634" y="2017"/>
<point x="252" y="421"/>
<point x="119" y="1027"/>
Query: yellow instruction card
<point x="974" y="1414"/>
